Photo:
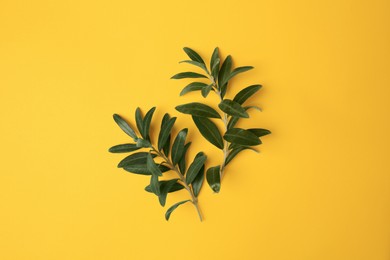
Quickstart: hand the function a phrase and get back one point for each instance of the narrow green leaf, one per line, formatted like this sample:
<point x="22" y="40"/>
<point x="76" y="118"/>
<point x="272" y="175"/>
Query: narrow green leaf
<point x="194" y="168"/>
<point x="123" y="148"/>
<point x="178" y="146"/>
<point x="214" y="63"/>
<point x="259" y="132"/>
<point x="232" y="108"/>
<point x="172" y="208"/>
<point x="167" y="146"/>
<point x="182" y="162"/>
<point x="151" y="165"/>
<point x="143" y="169"/>
<point x="234" y="119"/>
<point x="194" y="86"/>
<point x="195" y="63"/>
<point x="225" y="71"/>
<point x="154" y="185"/>
<point x="164" y="190"/>
<point x="241" y="136"/>
<point x="234" y="146"/>
<point x="135" y="158"/>
<point x="206" y="90"/>
<point x="165" y="131"/>
<point x="238" y="70"/>
<point x="198" y="109"/>
<point x="213" y="178"/>
<point x="209" y="131"/>
<point x="143" y="143"/>
<point x="146" y="123"/>
<point x="176" y="187"/>
<point x="246" y="93"/>
<point x="139" y="121"/>
<point x="188" y="75"/>
<point x="236" y="151"/>
<point x="124" y="126"/>
<point x="198" y="182"/>
<point x="193" y="55"/>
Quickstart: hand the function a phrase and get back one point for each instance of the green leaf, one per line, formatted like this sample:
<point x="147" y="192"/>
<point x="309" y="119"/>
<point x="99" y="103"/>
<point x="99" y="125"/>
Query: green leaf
<point x="238" y="70"/>
<point x="236" y="151"/>
<point x="176" y="187"/>
<point x="167" y="146"/>
<point x="234" y="119"/>
<point x="135" y="158"/>
<point x="214" y="63"/>
<point x="172" y="208"/>
<point x="178" y="146"/>
<point x="182" y="162"/>
<point x="143" y="169"/>
<point x="198" y="109"/>
<point x="241" y="136"/>
<point x="206" y="90"/>
<point x="125" y="126"/>
<point x="195" y="63"/>
<point x="188" y="75"/>
<point x="197" y="183"/>
<point x="193" y="55"/>
<point x="194" y="86"/>
<point x="232" y="108"/>
<point x="259" y="132"/>
<point x="151" y="166"/>
<point x="209" y="131"/>
<point x="139" y="121"/>
<point x="225" y="71"/>
<point x="165" y="189"/>
<point x="194" y="168"/>
<point x="246" y="93"/>
<point x="234" y="146"/>
<point x="146" y="123"/>
<point x="123" y="148"/>
<point x="213" y="178"/>
<point x="143" y="143"/>
<point x="165" y="131"/>
<point x="154" y="185"/>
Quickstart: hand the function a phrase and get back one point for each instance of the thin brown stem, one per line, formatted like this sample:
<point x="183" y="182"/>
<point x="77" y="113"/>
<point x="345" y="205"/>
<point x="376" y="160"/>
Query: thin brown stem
<point x="194" y="200"/>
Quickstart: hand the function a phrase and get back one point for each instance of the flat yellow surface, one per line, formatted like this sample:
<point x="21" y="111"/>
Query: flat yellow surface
<point x="319" y="189"/>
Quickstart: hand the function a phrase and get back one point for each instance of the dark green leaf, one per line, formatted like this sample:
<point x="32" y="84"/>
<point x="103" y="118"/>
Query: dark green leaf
<point x="165" y="131"/>
<point x="259" y="132"/>
<point x="238" y="70"/>
<point x="151" y="166"/>
<point x="198" y="109"/>
<point x="172" y="208"/>
<point x="154" y="185"/>
<point x="143" y="143"/>
<point x="139" y="121"/>
<point x="194" y="168"/>
<point x="189" y="75"/>
<point x="194" y="86"/>
<point x="234" y="119"/>
<point x="213" y="178"/>
<point x="232" y="108"/>
<point x="143" y="169"/>
<point x="146" y="123"/>
<point x="234" y="152"/>
<point x="206" y="90"/>
<point x="124" y="126"/>
<point x="167" y="146"/>
<point x="241" y="136"/>
<point x="195" y="63"/>
<point x="246" y="93"/>
<point x="197" y="183"/>
<point x="234" y="146"/>
<point x="209" y="131"/>
<point x="182" y="162"/>
<point x="164" y="189"/>
<point x="176" y="187"/>
<point x="225" y="71"/>
<point x="135" y="158"/>
<point x="193" y="55"/>
<point x="178" y="146"/>
<point x="123" y="148"/>
<point x="214" y="63"/>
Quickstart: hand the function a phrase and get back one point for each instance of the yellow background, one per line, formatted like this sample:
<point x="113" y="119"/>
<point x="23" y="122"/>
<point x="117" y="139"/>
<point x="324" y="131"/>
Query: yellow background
<point x="319" y="189"/>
